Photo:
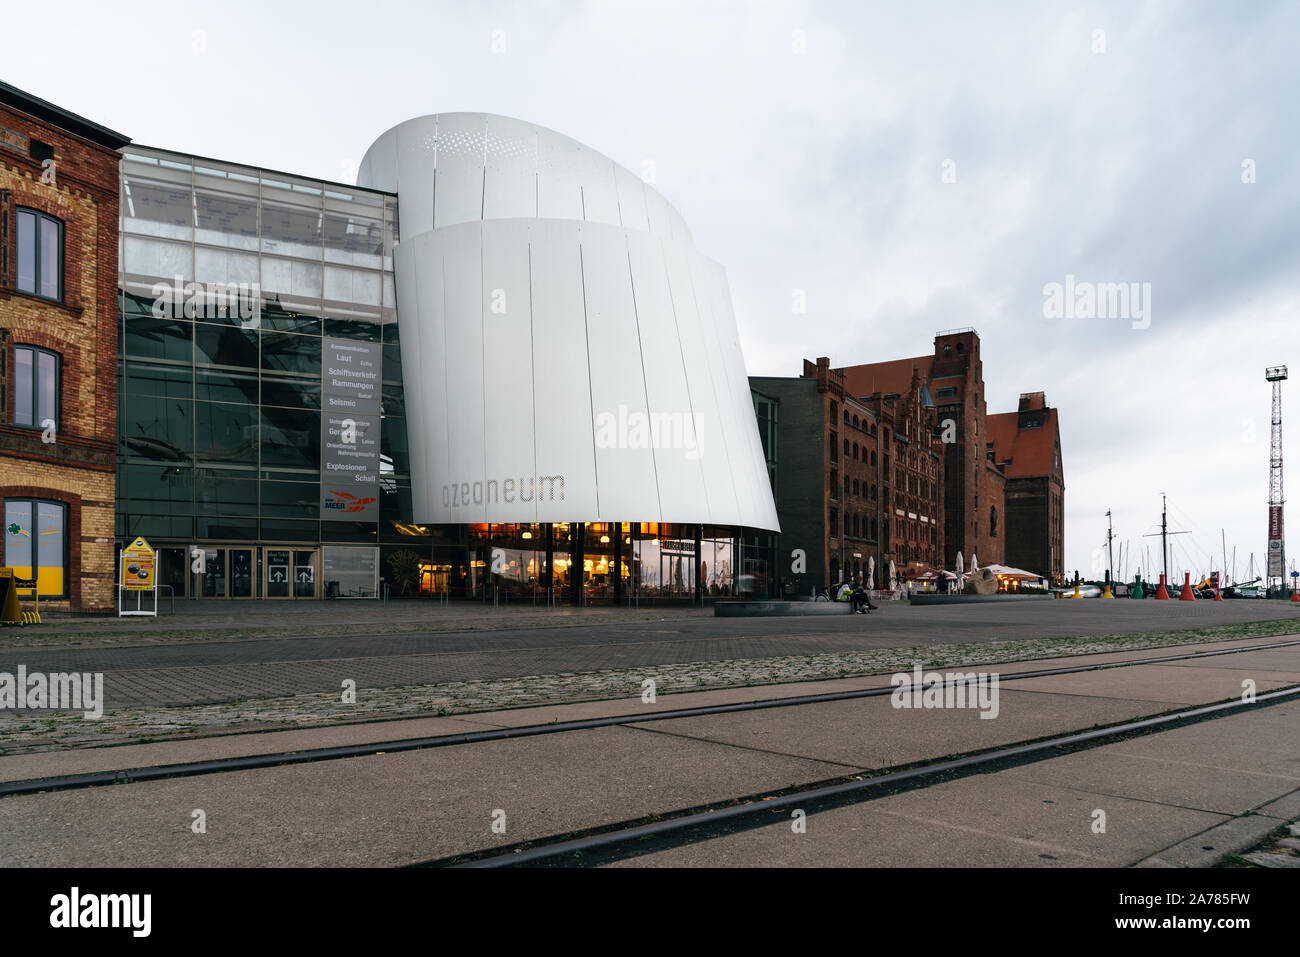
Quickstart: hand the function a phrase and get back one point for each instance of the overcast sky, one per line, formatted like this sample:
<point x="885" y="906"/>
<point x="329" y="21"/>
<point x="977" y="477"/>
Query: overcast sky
<point x="807" y="144"/>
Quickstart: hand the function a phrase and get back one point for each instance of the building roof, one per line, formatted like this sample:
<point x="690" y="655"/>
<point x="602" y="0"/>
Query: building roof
<point x="1029" y="450"/>
<point x="886" y="377"/>
<point x="60" y="118"/>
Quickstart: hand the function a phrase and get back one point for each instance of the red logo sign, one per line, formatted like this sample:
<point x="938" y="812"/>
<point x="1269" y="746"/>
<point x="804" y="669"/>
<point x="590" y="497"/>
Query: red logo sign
<point x="344" y="502"/>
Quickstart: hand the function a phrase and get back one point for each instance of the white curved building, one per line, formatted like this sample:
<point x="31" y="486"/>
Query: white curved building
<point x="567" y="354"/>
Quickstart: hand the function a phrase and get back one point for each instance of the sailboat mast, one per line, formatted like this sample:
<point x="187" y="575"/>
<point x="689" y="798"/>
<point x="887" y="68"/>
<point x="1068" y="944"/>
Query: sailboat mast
<point x="1164" y="535"/>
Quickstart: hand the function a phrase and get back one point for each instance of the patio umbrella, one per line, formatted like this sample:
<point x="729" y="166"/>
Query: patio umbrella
<point x="974" y="563"/>
<point x="893" y="576"/>
<point x="961" y="566"/>
<point x="871" y="571"/>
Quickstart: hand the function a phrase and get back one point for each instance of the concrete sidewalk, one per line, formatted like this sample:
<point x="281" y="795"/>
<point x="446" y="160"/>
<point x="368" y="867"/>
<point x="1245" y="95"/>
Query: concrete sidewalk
<point x="1183" y="798"/>
<point x="406" y="807"/>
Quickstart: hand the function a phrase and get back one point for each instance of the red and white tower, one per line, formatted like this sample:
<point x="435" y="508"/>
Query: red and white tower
<point x="1276" y="550"/>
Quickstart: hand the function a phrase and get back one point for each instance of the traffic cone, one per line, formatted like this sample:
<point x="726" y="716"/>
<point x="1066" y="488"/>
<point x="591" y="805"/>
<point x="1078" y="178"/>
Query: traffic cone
<point x="1186" y="594"/>
<point x="1218" y="593"/>
<point x="1295" y="595"/>
<point x="1162" y="593"/>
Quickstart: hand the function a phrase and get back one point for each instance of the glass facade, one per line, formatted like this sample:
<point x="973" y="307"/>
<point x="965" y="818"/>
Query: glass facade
<point x="231" y="279"/>
<point x="232" y="282"/>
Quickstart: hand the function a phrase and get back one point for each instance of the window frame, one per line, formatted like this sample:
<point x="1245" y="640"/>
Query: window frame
<point x="37" y="352"/>
<point x="65" y="558"/>
<point x="39" y="216"/>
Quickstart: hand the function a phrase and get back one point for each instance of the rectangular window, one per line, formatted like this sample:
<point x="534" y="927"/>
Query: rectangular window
<point x="40" y="255"/>
<point x="37" y="531"/>
<point x="36" y="387"/>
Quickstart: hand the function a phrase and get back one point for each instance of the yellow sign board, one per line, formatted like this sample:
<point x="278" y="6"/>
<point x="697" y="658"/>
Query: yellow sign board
<point x="138" y="566"/>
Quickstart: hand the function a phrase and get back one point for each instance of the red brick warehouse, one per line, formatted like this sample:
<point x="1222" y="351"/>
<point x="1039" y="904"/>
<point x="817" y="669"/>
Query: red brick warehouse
<point x="1004" y="484"/>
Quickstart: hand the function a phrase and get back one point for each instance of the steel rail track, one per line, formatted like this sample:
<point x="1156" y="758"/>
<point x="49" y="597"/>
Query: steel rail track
<point x="610" y="838"/>
<point x="68" y="782"/>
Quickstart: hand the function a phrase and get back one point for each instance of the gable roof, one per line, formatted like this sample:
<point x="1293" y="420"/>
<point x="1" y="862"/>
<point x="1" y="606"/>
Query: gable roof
<point x="1029" y="450"/>
<point x="886" y="377"/>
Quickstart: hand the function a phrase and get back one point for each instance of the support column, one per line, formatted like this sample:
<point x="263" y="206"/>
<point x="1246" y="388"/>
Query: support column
<point x="699" y="583"/>
<point x="548" y="578"/>
<point x="618" y="562"/>
<point x="577" y="558"/>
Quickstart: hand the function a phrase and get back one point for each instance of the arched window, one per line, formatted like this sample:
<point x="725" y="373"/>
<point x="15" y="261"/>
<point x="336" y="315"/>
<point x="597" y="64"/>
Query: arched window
<point x="834" y="408"/>
<point x="993" y="522"/>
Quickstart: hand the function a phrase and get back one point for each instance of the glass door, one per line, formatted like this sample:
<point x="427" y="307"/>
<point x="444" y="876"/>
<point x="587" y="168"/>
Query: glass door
<point x="240" y="562"/>
<point x="304" y="573"/>
<point x="212" y="578"/>
<point x="279" y="573"/>
<point x="290" y="572"/>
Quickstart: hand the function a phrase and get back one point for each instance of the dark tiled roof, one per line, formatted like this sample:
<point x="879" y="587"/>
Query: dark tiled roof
<point x="57" y="116"/>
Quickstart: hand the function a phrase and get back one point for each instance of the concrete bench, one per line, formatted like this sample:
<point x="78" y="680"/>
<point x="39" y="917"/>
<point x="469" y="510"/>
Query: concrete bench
<point x="777" y="609"/>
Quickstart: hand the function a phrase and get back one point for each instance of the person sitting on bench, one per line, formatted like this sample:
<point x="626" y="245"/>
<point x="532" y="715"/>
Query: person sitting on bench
<point x="861" y="597"/>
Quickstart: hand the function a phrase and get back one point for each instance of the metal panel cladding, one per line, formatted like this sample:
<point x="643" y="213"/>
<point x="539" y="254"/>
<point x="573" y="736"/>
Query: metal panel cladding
<point x="568" y="354"/>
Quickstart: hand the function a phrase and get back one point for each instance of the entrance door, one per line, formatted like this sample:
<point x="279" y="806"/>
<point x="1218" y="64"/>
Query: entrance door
<point x="212" y="579"/>
<point x="220" y="572"/>
<point x="240" y="562"/>
<point x="290" y="572"/>
<point x="304" y="574"/>
<point x="173" y="570"/>
<point x="279" y="573"/>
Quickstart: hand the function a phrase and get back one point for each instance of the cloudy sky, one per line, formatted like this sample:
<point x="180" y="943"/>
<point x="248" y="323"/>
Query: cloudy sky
<point x="906" y="167"/>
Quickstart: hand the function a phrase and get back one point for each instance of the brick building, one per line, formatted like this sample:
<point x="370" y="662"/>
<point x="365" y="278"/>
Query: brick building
<point x="901" y="460"/>
<point x="974" y="488"/>
<point x="858" y="478"/>
<point x="1027" y="444"/>
<point x="911" y="476"/>
<point x="58" y="349"/>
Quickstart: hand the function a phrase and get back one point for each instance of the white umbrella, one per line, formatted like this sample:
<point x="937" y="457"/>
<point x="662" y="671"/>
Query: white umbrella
<point x="893" y="576"/>
<point x="974" y="563"/>
<point x="871" y="571"/>
<point x="961" y="566"/>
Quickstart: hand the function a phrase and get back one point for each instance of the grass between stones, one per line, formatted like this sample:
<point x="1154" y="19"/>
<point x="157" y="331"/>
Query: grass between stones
<point x="32" y="731"/>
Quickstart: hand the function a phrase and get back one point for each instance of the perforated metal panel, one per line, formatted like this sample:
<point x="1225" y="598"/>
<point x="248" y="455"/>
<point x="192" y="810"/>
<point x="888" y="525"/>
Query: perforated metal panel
<point x="559" y="332"/>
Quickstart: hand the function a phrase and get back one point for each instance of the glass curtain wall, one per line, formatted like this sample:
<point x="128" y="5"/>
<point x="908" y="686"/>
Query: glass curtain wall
<point x="230" y="277"/>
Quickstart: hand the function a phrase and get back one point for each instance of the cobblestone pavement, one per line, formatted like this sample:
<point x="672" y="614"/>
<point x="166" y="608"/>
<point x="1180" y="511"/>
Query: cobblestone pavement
<point x="375" y="654"/>
<point x="34" y="731"/>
